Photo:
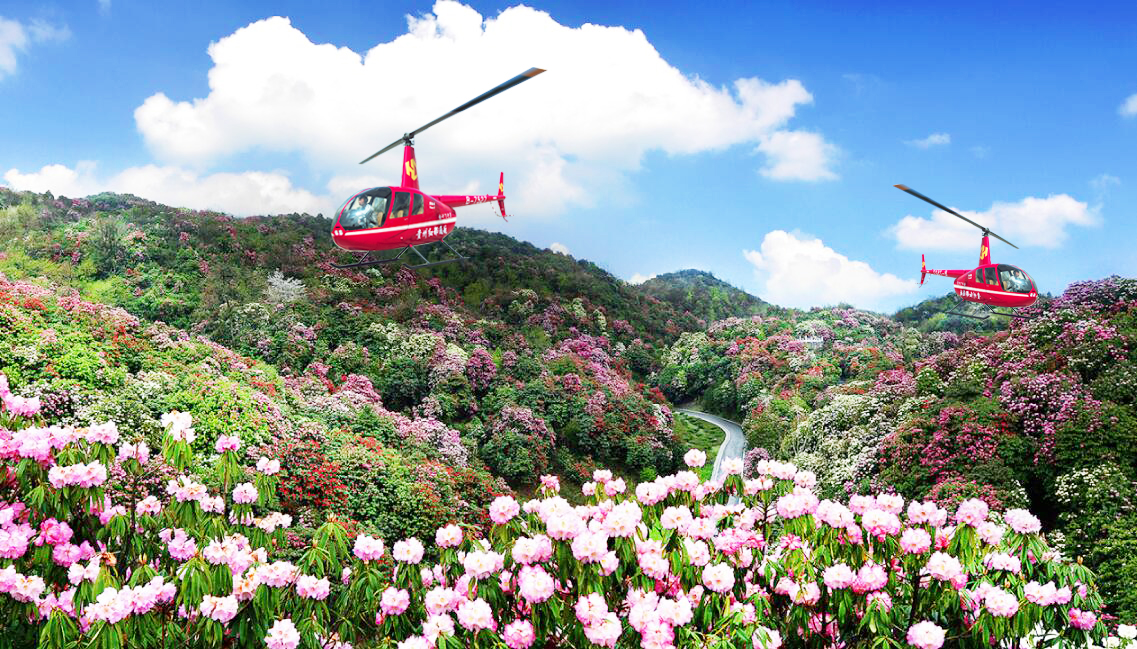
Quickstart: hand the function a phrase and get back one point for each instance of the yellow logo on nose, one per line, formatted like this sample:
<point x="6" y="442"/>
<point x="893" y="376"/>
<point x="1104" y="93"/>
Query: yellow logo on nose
<point x="411" y="171"/>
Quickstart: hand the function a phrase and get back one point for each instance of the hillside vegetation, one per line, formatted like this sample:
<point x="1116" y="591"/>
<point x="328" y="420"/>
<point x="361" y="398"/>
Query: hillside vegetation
<point x="1043" y="415"/>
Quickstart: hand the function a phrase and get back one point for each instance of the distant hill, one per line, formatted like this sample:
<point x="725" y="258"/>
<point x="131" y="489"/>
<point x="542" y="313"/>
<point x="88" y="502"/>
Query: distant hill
<point x="705" y="296"/>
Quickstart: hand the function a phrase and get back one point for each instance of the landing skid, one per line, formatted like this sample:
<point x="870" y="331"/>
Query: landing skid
<point x="990" y="311"/>
<point x="367" y="260"/>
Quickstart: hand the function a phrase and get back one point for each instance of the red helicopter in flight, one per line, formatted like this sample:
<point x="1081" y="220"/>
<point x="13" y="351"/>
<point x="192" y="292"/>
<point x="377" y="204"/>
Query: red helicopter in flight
<point x="990" y="285"/>
<point x="403" y="217"/>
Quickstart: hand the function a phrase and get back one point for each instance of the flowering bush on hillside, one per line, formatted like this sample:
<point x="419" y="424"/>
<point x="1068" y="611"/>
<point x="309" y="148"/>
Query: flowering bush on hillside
<point x="666" y="564"/>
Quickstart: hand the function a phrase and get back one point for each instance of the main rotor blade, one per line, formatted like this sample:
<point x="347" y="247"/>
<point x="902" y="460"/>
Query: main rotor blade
<point x="524" y="76"/>
<point x="951" y="211"/>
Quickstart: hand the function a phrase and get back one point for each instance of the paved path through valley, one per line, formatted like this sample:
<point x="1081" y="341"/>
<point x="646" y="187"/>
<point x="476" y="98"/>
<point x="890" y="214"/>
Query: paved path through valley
<point x="732" y="447"/>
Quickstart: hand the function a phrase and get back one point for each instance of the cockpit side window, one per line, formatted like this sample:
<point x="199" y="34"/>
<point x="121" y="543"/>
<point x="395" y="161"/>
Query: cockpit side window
<point x="365" y="210"/>
<point x="417" y="209"/>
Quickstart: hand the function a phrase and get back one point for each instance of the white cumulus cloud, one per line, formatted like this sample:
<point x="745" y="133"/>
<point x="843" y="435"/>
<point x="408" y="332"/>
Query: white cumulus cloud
<point x="935" y="139"/>
<point x="1129" y="106"/>
<point x="607" y="99"/>
<point x="1035" y="222"/>
<point x="638" y="278"/>
<point x="797" y="155"/>
<point x="798" y="271"/>
<point x="559" y="248"/>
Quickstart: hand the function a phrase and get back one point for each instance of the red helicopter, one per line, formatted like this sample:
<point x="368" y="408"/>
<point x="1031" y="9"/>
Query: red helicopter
<point x="403" y="217"/>
<point x="990" y="285"/>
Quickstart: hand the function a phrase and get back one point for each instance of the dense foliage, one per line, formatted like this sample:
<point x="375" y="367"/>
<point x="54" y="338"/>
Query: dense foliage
<point x="109" y="561"/>
<point x="1041" y="416"/>
<point x="513" y="327"/>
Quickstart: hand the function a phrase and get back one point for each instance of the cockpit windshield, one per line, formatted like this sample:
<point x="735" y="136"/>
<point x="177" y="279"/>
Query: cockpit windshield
<point x="1015" y="280"/>
<point x="367" y="210"/>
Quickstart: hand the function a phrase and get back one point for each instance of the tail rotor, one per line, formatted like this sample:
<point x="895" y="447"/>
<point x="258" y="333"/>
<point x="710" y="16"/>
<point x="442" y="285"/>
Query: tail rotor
<point x="501" y="195"/>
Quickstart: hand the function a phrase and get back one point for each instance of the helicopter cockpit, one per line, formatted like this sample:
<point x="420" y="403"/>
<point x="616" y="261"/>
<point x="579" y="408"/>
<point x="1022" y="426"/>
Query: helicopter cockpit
<point x="366" y="210"/>
<point x="1015" y="280"/>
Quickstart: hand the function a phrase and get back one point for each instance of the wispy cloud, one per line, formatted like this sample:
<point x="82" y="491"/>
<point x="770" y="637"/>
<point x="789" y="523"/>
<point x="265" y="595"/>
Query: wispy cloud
<point x="935" y="139"/>
<point x="104" y="7"/>
<point x="15" y="38"/>
<point x="1129" y="106"/>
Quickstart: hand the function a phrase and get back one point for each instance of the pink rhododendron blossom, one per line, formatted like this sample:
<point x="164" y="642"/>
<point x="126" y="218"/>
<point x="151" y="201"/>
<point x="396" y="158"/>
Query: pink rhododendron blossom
<point x="408" y="551"/>
<point x="805" y="479"/>
<point x="990" y="532"/>
<point x="245" y="493"/>
<point x="535" y="584"/>
<point x="503" y="509"/>
<point x="313" y="588"/>
<point x="221" y="609"/>
<point x="615" y="487"/>
<point x="1022" y="521"/>
<point x="971" y="512"/>
<point x="449" y="536"/>
<point x="695" y="458"/>
<point x="839" y="576"/>
<point x="766" y="638"/>
<point x="1000" y="603"/>
<point x="138" y="452"/>
<point x="915" y="540"/>
<point x="226" y="443"/>
<point x="480" y="565"/>
<point x="268" y="466"/>
<point x="550" y="484"/>
<point x="718" y="577"/>
<point x="394" y="601"/>
<point x="519" y="634"/>
<point x="943" y="567"/>
<point x="368" y="548"/>
<point x="1084" y="620"/>
<point x="880" y="600"/>
<point x="148" y="506"/>
<point x="476" y="615"/>
<point x="282" y="635"/>
<point x="925" y="635"/>
<point x="179" y="425"/>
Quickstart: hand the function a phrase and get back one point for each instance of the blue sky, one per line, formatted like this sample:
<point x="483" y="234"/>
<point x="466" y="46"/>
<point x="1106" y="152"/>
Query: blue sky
<point x="758" y="141"/>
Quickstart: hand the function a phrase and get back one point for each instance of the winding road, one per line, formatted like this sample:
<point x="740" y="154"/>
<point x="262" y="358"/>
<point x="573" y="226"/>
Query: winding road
<point x="732" y="447"/>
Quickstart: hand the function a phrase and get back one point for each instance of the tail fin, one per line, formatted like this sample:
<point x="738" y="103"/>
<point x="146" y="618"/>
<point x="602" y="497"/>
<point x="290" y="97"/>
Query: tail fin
<point x="501" y="195"/>
<point x="923" y="270"/>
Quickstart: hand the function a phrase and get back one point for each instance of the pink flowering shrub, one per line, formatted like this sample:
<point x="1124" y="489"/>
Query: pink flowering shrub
<point x="667" y="563"/>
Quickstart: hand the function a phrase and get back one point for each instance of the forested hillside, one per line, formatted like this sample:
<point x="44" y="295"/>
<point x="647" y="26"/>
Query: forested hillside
<point x="398" y="402"/>
<point x="1042" y="416"/>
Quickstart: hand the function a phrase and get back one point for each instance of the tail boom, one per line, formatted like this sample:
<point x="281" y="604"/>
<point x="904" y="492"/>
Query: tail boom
<point x="476" y="199"/>
<point x="924" y="270"/>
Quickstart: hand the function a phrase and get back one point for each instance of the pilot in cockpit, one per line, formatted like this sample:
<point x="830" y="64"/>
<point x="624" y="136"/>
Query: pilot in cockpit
<point x="362" y="215"/>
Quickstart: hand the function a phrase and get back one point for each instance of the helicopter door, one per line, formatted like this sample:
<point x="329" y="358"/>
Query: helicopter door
<point x="417" y="209"/>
